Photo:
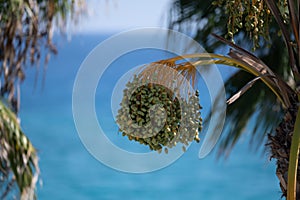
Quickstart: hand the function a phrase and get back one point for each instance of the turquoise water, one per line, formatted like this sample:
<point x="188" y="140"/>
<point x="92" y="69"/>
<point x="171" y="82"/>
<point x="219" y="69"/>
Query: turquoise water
<point x="68" y="171"/>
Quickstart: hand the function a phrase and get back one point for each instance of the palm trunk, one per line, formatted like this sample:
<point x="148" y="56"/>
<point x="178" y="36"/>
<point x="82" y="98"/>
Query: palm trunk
<point x="280" y="144"/>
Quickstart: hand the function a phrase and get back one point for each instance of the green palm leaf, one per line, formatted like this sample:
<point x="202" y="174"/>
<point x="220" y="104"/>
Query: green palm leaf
<point x="18" y="158"/>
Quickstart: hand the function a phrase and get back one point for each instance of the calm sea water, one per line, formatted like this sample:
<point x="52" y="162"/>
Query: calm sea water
<point x="68" y="171"/>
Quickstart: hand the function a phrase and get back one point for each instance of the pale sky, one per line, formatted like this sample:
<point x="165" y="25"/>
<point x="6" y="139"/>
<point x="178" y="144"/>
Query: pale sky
<point x="118" y="15"/>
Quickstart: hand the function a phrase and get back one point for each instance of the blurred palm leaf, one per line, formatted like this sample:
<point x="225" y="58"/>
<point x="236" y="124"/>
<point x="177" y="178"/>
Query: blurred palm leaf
<point x="19" y="162"/>
<point x="25" y="28"/>
<point x="26" y="32"/>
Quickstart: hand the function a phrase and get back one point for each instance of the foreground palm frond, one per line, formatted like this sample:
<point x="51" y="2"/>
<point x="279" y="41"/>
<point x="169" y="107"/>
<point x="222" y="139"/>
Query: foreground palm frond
<point x="18" y="159"/>
<point x="25" y="28"/>
<point x="26" y="32"/>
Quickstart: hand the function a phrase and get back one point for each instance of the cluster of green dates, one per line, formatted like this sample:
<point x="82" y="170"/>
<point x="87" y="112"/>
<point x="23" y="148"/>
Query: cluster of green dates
<point x="254" y="17"/>
<point x="154" y="115"/>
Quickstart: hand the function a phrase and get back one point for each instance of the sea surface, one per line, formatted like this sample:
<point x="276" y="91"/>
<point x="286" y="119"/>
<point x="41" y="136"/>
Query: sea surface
<point x="68" y="171"/>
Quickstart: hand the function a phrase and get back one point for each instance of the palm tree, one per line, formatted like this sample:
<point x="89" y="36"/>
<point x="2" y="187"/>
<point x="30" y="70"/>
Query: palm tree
<point x="267" y="26"/>
<point x="26" y="28"/>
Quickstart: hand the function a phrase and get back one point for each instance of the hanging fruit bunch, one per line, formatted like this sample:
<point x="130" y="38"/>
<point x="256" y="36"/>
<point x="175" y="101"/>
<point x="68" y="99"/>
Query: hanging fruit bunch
<point x="158" y="116"/>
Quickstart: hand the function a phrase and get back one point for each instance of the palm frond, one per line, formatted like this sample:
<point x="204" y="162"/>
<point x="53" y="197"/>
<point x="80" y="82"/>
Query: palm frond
<point x="285" y="31"/>
<point x="248" y="115"/>
<point x="243" y="90"/>
<point x="294" y="20"/>
<point x="25" y="28"/>
<point x="19" y="162"/>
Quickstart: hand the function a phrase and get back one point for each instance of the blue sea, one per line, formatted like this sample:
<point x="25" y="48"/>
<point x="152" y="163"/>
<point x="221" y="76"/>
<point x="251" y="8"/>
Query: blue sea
<point x="68" y="171"/>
